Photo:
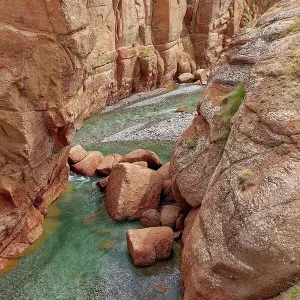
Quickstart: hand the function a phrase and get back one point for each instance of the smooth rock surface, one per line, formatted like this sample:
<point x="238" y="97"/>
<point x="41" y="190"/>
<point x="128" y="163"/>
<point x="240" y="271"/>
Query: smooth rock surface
<point x="149" y="245"/>
<point x="132" y="190"/>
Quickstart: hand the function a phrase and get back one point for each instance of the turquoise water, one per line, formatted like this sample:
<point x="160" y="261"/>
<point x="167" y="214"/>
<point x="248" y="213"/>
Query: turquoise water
<point x="83" y="253"/>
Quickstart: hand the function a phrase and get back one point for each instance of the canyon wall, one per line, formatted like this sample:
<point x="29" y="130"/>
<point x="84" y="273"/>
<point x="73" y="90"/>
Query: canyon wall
<point x="238" y="164"/>
<point x="63" y="60"/>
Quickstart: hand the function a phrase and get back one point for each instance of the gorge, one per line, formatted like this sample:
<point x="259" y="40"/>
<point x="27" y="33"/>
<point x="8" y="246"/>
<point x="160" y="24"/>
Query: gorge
<point x="235" y="167"/>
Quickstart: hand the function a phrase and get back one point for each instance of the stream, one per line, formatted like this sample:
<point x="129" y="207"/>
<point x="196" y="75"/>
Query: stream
<point x="82" y="253"/>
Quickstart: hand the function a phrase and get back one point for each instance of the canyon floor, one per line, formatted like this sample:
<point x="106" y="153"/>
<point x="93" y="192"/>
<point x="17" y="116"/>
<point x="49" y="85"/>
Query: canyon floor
<point x="83" y="253"/>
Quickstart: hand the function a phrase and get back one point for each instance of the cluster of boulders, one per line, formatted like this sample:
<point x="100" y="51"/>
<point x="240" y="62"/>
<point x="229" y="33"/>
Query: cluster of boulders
<point x="199" y="77"/>
<point x="137" y="187"/>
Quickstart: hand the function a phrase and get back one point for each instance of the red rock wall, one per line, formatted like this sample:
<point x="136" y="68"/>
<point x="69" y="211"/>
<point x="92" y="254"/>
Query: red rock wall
<point x="63" y="60"/>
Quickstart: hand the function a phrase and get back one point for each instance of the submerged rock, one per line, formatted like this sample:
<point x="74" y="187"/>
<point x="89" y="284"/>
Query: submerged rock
<point x="132" y="190"/>
<point x="143" y="155"/>
<point x="149" y="245"/>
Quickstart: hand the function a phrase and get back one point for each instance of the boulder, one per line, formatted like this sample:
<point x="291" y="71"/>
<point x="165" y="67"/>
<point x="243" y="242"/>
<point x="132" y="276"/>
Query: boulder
<point x="167" y="192"/>
<point x="169" y="215"/>
<point x="143" y="155"/>
<point x="77" y="154"/>
<point x="108" y="162"/>
<point x="141" y="163"/>
<point x="88" y="166"/>
<point x="201" y="75"/>
<point x="102" y="183"/>
<point x="164" y="171"/>
<point x="186" y="78"/>
<point x="132" y="190"/>
<point x="149" y="245"/>
<point x="150" y="218"/>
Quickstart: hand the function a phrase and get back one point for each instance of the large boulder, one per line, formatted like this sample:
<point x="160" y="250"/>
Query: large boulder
<point x="107" y="163"/>
<point x="131" y="190"/>
<point x="143" y="155"/>
<point x="88" y="166"/>
<point x="77" y="154"/>
<point x="150" y="218"/>
<point x="186" y="78"/>
<point x="149" y="245"/>
<point x="169" y="215"/>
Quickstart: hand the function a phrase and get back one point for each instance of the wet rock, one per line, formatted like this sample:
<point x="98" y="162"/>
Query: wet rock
<point x="77" y="154"/>
<point x="102" y="183"/>
<point x="186" y="78"/>
<point x="149" y="245"/>
<point x="201" y="75"/>
<point x="150" y="218"/>
<point x="143" y="155"/>
<point x="88" y="166"/>
<point x="169" y="215"/>
<point x="107" y="163"/>
<point x="132" y="190"/>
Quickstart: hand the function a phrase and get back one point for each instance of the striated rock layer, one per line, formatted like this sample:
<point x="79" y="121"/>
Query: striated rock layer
<point x="63" y="60"/>
<point x="240" y="162"/>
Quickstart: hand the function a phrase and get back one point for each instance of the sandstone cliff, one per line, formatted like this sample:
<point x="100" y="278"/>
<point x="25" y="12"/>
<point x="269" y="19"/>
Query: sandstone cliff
<point x="63" y="60"/>
<point x="238" y="165"/>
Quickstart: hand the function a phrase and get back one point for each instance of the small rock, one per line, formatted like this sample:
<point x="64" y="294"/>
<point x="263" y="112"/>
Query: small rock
<point x="198" y="82"/>
<point x="160" y="288"/>
<point x="150" y="218"/>
<point x="149" y="245"/>
<point x="186" y="78"/>
<point x="182" y="109"/>
<point x="169" y="215"/>
<point x="77" y="154"/>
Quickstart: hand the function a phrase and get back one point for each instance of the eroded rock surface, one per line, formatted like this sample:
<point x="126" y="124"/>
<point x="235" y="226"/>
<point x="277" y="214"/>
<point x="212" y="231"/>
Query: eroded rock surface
<point x="242" y="168"/>
<point x="61" y="61"/>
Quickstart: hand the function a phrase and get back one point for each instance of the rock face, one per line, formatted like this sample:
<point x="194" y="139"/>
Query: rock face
<point x="240" y="160"/>
<point x="149" y="245"/>
<point x="132" y="190"/>
<point x="61" y="61"/>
